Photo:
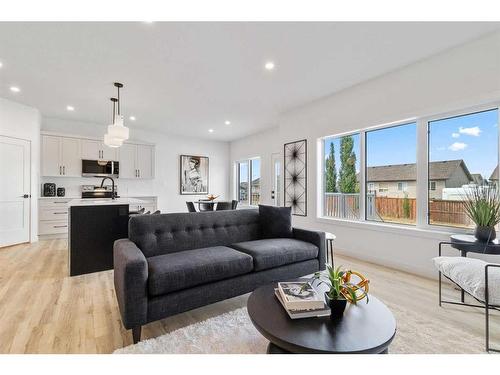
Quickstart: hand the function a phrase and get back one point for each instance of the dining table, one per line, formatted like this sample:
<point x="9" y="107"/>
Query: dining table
<point x="210" y="204"/>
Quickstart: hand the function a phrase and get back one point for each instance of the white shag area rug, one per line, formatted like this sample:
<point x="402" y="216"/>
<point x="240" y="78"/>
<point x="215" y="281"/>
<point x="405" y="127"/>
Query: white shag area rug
<point x="234" y="333"/>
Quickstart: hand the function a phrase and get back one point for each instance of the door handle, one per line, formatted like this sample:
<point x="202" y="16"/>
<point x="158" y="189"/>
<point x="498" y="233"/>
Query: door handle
<point x="26" y="196"/>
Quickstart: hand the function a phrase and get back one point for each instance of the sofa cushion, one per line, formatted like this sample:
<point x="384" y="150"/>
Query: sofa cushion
<point x="275" y="252"/>
<point x="469" y="274"/>
<point x="185" y="269"/>
<point x="276" y="222"/>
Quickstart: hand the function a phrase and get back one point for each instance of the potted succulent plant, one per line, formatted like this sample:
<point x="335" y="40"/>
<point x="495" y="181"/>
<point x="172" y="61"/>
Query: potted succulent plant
<point x="341" y="289"/>
<point x="482" y="206"/>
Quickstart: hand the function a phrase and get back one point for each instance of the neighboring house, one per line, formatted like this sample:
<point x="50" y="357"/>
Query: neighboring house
<point x="494" y="176"/>
<point x="244" y="189"/>
<point x="478" y="179"/>
<point x="398" y="181"/>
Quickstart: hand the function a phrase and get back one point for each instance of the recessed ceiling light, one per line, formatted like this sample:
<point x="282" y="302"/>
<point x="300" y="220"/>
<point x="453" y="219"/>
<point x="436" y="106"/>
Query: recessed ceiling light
<point x="14" y="89"/>
<point x="269" y="65"/>
<point x="70" y="108"/>
<point x="227" y="122"/>
<point x="132" y="118"/>
<point x="210" y="130"/>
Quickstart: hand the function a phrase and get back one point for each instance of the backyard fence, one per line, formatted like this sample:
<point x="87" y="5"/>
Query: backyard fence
<point x="346" y="206"/>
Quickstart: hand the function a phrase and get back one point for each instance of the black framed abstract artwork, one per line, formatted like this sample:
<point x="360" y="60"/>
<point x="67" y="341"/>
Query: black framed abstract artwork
<point x="295" y="186"/>
<point x="194" y="175"/>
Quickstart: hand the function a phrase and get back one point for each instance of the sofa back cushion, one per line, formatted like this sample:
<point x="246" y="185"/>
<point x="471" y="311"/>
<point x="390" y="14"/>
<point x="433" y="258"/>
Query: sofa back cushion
<point x="276" y="221"/>
<point x="169" y="233"/>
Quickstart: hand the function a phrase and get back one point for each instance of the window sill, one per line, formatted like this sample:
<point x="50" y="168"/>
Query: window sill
<point x="442" y="234"/>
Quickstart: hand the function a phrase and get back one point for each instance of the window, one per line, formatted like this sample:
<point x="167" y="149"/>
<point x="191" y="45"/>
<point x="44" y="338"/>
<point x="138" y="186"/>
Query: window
<point x="456" y="153"/>
<point x="341" y="169"/>
<point x="391" y="157"/>
<point x="463" y="151"/>
<point x="243" y="182"/>
<point x="248" y="170"/>
<point x="255" y="188"/>
<point x="371" y="187"/>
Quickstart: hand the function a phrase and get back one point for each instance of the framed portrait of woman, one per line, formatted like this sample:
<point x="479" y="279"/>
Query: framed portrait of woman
<point x="193" y="175"/>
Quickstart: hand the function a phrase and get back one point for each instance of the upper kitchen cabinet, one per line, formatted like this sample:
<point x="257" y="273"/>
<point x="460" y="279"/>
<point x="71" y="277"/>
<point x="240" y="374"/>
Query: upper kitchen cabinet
<point x="61" y="156"/>
<point x="136" y="161"/>
<point x="96" y="150"/>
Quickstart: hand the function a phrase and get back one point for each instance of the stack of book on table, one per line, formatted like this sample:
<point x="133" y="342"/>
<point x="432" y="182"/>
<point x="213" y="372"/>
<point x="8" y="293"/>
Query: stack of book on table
<point x="301" y="300"/>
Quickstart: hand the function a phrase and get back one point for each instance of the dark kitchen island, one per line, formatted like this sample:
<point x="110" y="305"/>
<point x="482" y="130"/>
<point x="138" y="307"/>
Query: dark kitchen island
<point x="94" y="225"/>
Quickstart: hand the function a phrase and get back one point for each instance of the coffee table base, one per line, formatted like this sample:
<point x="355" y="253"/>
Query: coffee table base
<point x="275" y="349"/>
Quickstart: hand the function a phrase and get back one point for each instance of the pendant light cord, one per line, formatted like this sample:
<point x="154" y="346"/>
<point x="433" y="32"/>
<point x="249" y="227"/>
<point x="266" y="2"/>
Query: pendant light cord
<point x="118" y="101"/>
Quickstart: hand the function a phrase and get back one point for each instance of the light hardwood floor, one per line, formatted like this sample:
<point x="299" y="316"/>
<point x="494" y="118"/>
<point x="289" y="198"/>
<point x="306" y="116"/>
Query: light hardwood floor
<point x="42" y="310"/>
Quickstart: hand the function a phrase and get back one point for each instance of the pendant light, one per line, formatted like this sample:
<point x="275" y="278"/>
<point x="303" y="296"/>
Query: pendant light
<point x="110" y="140"/>
<point x="117" y="130"/>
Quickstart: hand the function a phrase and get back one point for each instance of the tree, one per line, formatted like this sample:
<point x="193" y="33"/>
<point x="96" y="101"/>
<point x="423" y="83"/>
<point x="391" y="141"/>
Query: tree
<point x="347" y="178"/>
<point x="406" y="207"/>
<point x="331" y="171"/>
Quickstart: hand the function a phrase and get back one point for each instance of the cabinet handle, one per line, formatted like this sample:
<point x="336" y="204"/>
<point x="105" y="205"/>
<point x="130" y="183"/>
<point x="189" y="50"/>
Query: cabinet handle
<point x="60" y="213"/>
<point x="60" y="226"/>
<point x="60" y="170"/>
<point x="60" y="202"/>
<point x="139" y="173"/>
<point x="64" y="169"/>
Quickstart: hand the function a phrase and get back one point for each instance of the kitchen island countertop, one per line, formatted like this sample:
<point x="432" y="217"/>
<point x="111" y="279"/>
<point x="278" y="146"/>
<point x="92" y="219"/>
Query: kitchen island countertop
<point x="103" y="201"/>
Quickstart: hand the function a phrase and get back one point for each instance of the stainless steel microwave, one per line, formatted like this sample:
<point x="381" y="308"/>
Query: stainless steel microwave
<point x="100" y="168"/>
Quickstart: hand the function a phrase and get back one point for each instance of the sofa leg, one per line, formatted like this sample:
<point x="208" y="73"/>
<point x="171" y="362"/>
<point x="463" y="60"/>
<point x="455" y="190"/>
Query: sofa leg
<point x="136" y="334"/>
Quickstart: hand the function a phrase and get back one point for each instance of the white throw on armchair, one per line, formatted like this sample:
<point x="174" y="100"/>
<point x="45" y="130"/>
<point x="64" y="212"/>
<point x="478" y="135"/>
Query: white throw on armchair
<point x="477" y="278"/>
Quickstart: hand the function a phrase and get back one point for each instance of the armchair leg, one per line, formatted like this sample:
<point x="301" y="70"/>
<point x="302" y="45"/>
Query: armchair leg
<point x="136" y="334"/>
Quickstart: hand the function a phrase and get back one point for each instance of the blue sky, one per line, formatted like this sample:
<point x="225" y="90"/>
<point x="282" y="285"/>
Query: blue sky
<point x="473" y="138"/>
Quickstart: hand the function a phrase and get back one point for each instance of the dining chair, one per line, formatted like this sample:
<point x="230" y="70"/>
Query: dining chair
<point x="234" y="204"/>
<point x="191" y="207"/>
<point x="224" y="206"/>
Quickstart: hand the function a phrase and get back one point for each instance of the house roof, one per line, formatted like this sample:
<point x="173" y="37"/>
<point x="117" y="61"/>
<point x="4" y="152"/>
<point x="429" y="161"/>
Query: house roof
<point x="494" y="175"/>
<point x="438" y="170"/>
<point x="477" y="178"/>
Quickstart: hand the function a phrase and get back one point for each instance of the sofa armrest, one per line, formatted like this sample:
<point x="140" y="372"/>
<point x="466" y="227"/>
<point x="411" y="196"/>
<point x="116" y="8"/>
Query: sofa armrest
<point x="315" y="237"/>
<point x="130" y="276"/>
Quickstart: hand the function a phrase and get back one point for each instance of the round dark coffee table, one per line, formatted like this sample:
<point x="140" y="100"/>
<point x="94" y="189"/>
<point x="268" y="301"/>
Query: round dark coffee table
<point x="364" y="328"/>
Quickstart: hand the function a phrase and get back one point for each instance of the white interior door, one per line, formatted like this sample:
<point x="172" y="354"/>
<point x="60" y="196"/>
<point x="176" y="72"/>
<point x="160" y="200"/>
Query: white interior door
<point x="15" y="195"/>
<point x="277" y="175"/>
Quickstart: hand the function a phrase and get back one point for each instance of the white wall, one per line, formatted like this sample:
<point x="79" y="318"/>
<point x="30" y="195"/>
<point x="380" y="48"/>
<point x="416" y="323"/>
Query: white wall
<point x="20" y="121"/>
<point x="262" y="145"/>
<point x="165" y="185"/>
<point x="458" y="78"/>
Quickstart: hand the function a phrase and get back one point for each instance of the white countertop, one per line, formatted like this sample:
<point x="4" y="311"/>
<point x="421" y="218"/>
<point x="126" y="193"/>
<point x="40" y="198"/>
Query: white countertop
<point x="52" y="198"/>
<point x="103" y="201"/>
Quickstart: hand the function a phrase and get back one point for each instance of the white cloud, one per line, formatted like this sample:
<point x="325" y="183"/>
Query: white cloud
<point x="474" y="131"/>
<point x="457" y="146"/>
<point x="455" y="135"/>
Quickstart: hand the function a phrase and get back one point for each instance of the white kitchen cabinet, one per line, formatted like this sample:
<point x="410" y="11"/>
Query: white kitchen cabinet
<point x="70" y="157"/>
<point x="96" y="150"/>
<point x="51" y="156"/>
<point x="127" y="161"/>
<point x="61" y="156"/>
<point x="145" y="161"/>
<point x="136" y="161"/>
<point x="53" y="217"/>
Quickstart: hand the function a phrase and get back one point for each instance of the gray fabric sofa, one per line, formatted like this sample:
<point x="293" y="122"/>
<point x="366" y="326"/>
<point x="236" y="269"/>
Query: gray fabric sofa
<point x="173" y="263"/>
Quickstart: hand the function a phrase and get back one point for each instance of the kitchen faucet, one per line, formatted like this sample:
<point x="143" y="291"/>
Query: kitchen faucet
<point x="112" y="186"/>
